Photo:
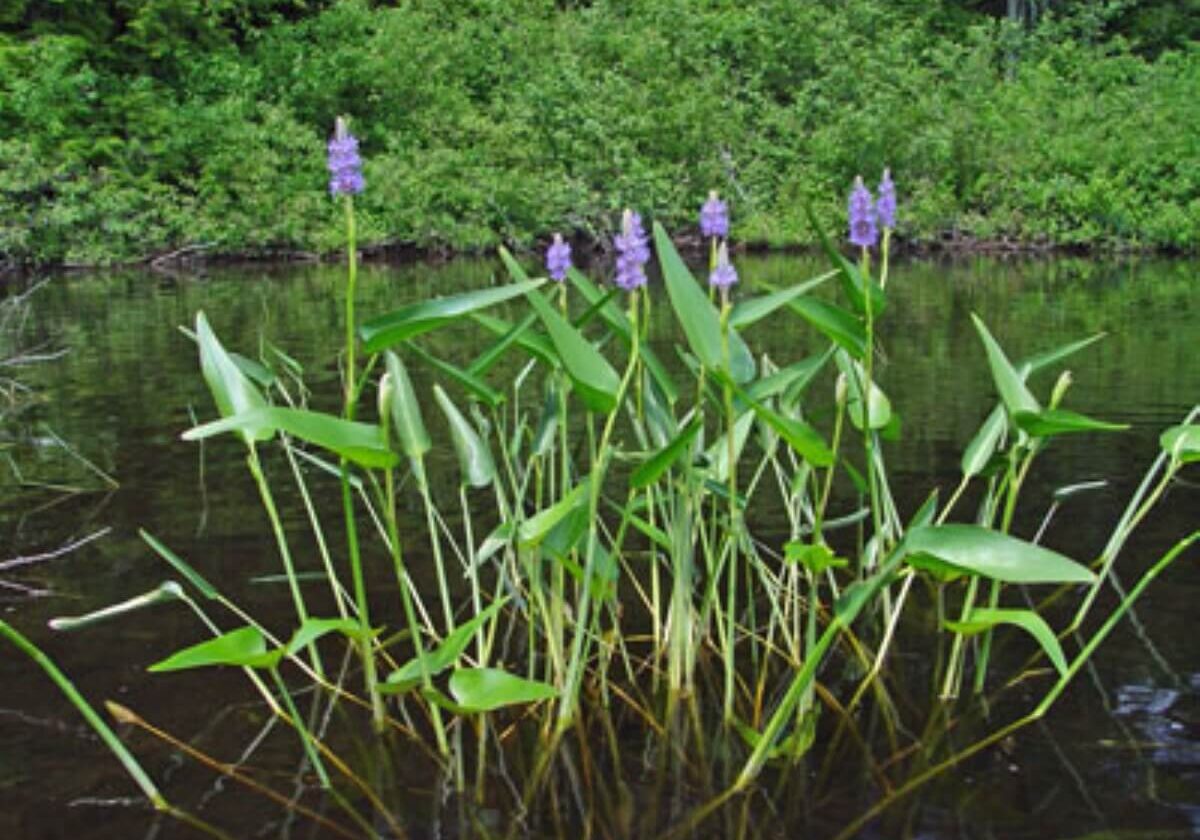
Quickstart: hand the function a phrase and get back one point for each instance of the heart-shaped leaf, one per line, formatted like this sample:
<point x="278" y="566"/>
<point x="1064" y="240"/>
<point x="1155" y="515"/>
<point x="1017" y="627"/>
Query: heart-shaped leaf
<point x="487" y="689"/>
<point x="245" y="646"/>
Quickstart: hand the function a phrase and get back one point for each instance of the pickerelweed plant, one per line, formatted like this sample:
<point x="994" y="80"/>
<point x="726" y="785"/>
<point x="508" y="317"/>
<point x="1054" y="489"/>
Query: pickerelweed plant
<point x="609" y="549"/>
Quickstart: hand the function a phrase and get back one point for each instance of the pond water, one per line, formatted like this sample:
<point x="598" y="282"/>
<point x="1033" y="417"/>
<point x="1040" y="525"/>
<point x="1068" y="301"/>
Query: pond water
<point x="1120" y="753"/>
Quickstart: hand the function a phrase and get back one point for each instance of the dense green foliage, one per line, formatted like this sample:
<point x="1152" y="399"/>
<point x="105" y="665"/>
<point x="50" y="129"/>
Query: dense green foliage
<point x="133" y="127"/>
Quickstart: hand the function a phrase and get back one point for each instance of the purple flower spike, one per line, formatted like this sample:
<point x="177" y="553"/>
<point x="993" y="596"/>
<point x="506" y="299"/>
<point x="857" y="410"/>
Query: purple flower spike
<point x="345" y="166"/>
<point x="885" y="207"/>
<point x="714" y="217"/>
<point x="633" y="252"/>
<point x="863" y="231"/>
<point x="724" y="275"/>
<point x="558" y="258"/>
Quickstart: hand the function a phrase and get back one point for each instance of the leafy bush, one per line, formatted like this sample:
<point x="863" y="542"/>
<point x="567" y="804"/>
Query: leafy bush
<point x="487" y="122"/>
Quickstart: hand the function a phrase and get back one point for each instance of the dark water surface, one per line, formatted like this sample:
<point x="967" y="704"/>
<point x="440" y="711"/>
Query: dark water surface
<point x="1119" y="753"/>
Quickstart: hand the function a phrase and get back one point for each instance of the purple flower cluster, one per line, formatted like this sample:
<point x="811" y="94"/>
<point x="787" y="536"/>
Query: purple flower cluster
<point x="867" y="216"/>
<point x="714" y="217"/>
<point x="558" y="258"/>
<point x="885" y="207"/>
<point x="633" y="252"/>
<point x="863" y="232"/>
<point x="345" y="166"/>
<point x="724" y="274"/>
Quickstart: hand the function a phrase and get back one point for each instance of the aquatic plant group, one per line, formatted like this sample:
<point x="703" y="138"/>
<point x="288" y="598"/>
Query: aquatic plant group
<point x="608" y="550"/>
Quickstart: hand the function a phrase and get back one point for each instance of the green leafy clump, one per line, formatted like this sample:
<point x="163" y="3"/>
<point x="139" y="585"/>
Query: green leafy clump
<point x="135" y="129"/>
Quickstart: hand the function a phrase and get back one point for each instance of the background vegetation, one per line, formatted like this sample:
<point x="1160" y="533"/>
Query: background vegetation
<point x="129" y="128"/>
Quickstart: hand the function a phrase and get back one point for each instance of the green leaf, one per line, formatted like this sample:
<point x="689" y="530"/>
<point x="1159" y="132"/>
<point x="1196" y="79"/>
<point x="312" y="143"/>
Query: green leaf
<point x="791" y="380"/>
<point x="474" y="456"/>
<point x="191" y="575"/>
<point x="567" y="533"/>
<point x="985" y="443"/>
<point x="617" y="321"/>
<point x="312" y="629"/>
<point x="665" y="458"/>
<point x="592" y="376"/>
<point x="534" y="529"/>
<point x="835" y="323"/>
<point x="802" y="437"/>
<point x="546" y="435"/>
<point x="1044" y="360"/>
<point x="752" y="310"/>
<point x="232" y="390"/>
<point x="650" y="532"/>
<point x="926" y="513"/>
<point x="717" y="453"/>
<point x="487" y="689"/>
<point x="468" y="380"/>
<point x="386" y="330"/>
<point x="699" y="318"/>
<point x="814" y="558"/>
<point x="972" y="549"/>
<point x="255" y="371"/>
<point x="244" y="646"/>
<point x="1009" y="384"/>
<point x="880" y="405"/>
<point x="1057" y="421"/>
<point x="361" y="443"/>
<point x="404" y="410"/>
<point x="408" y="675"/>
<point x="983" y="618"/>
<point x="1182" y="442"/>
<point x="520" y="334"/>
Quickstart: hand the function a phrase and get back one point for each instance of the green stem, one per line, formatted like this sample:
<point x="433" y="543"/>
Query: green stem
<point x="268" y="500"/>
<point x="351" y="395"/>
<point x="89" y="714"/>
<point x="579" y="648"/>
<point x="351" y="282"/>
<point x="733" y="536"/>
<point x="410" y="613"/>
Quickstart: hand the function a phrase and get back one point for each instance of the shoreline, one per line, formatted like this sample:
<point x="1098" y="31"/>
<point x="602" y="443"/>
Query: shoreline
<point x="949" y="244"/>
